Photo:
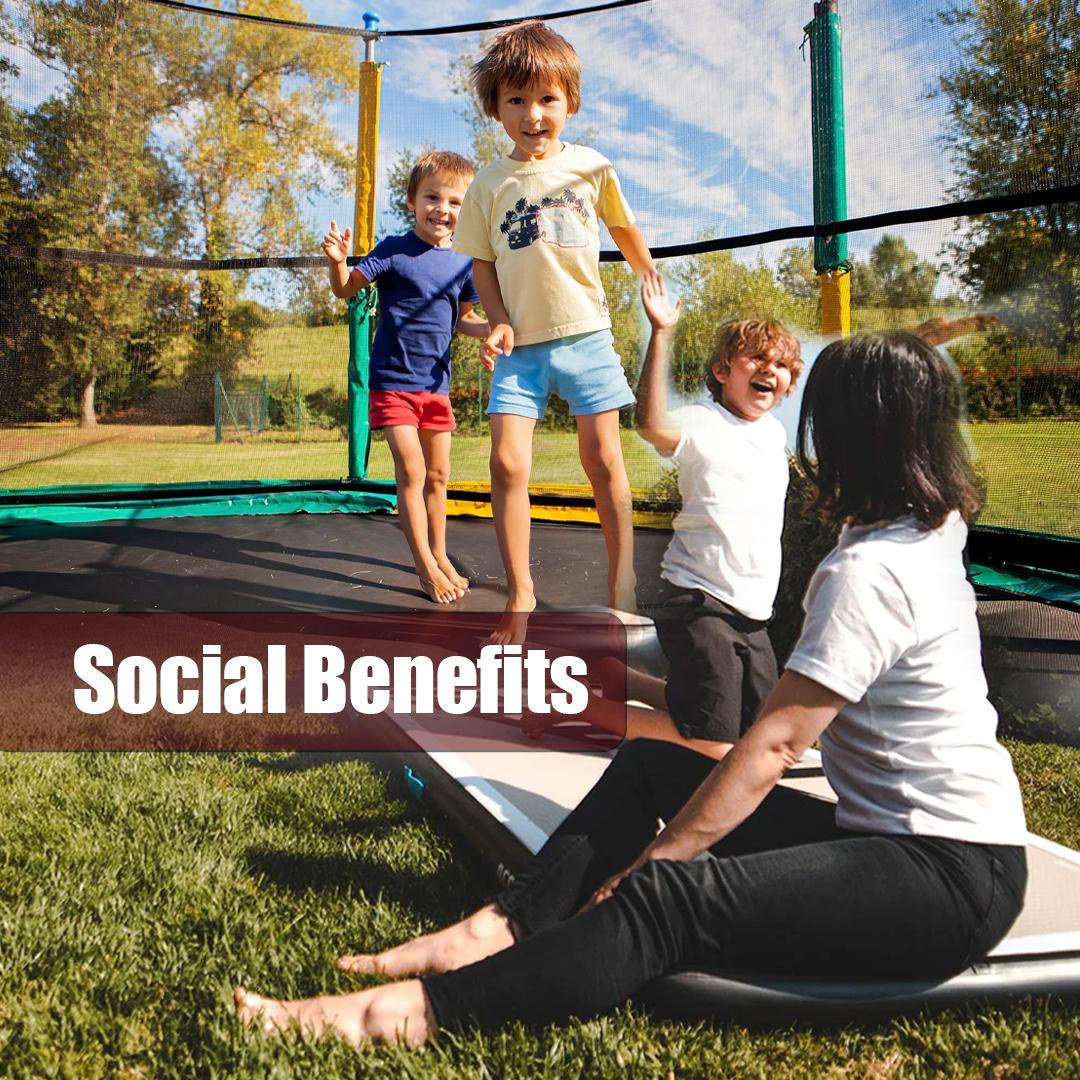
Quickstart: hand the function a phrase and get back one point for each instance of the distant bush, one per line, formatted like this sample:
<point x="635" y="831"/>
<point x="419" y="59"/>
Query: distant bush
<point x="996" y="372"/>
<point x="992" y="394"/>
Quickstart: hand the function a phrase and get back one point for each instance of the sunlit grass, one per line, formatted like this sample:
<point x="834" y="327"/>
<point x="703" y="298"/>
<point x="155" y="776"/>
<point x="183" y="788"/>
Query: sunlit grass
<point x="136" y="890"/>
<point x="1033" y="467"/>
<point x="46" y="454"/>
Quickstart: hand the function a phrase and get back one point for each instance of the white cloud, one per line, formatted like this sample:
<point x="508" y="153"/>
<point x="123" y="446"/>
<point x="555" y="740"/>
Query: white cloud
<point x="704" y="105"/>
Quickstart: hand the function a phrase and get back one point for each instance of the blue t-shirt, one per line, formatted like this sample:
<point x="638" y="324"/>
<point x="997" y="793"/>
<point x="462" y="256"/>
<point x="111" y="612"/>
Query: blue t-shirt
<point x="420" y="288"/>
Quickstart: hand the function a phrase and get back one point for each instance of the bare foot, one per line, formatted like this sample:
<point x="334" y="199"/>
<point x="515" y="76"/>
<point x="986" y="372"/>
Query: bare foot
<point x="515" y="621"/>
<point x="396" y="1013"/>
<point x="438" y="587"/>
<point x="535" y="724"/>
<point x="451" y="574"/>
<point x="481" y="935"/>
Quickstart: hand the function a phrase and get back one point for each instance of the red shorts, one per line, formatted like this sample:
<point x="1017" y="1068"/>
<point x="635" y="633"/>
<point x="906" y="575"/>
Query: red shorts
<point x="408" y="408"/>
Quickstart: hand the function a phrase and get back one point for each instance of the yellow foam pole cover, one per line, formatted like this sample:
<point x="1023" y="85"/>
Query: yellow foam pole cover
<point x="836" y="303"/>
<point x="367" y="144"/>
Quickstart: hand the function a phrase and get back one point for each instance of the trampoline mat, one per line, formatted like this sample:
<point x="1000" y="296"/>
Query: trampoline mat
<point x="513" y="794"/>
<point x="329" y="563"/>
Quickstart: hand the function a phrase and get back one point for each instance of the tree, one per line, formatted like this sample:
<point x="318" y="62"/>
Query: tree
<point x="94" y="179"/>
<point x="166" y="135"/>
<point x="487" y="138"/>
<point x="893" y="277"/>
<point x="257" y="146"/>
<point x="796" y="274"/>
<point x="1014" y="98"/>
<point x="260" y="141"/>
<point x="23" y="372"/>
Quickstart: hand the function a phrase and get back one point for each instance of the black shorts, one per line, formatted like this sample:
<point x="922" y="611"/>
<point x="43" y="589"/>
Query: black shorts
<point x="721" y="665"/>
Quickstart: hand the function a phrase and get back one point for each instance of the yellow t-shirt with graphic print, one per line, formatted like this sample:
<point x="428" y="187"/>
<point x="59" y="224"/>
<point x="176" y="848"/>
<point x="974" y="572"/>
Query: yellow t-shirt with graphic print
<point x="539" y="223"/>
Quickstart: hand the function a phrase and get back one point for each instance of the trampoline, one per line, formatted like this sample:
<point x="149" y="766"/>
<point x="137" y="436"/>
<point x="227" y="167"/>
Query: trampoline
<point x="70" y="546"/>
<point x="503" y="792"/>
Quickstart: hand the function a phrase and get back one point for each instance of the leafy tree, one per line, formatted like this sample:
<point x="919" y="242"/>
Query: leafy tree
<point x="95" y="179"/>
<point x="23" y="369"/>
<point x="796" y="274"/>
<point x="260" y="141"/>
<point x="1015" y="103"/>
<point x="166" y="135"/>
<point x="893" y="276"/>
<point x="256" y="147"/>
<point x="487" y="138"/>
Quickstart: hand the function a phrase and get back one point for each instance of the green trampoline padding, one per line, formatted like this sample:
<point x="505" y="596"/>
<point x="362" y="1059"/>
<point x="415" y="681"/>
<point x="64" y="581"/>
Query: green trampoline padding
<point x="128" y="502"/>
<point x="1038" y="584"/>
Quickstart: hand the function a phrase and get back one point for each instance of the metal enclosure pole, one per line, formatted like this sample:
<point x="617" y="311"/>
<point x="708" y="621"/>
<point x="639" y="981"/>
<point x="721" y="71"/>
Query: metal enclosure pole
<point x="830" y="169"/>
<point x="361" y="306"/>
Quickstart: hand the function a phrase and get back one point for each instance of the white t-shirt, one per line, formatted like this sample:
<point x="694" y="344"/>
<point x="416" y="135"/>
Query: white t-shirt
<point x="539" y="223"/>
<point x="890" y="626"/>
<point x="733" y="476"/>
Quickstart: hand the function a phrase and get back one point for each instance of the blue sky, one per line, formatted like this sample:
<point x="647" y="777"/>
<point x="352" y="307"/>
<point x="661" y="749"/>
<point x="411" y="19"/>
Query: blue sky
<point x="703" y="106"/>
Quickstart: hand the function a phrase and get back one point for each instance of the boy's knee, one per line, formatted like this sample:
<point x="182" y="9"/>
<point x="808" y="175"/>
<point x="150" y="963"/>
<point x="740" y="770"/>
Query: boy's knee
<point x="413" y="470"/>
<point x="601" y="466"/>
<point x="508" y="469"/>
<point x="437" y="476"/>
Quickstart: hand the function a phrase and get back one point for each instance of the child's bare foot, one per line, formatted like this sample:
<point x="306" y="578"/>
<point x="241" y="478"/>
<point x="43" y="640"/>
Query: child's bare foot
<point x="481" y="935"/>
<point x="515" y="621"/>
<point x="394" y="1013"/>
<point x="455" y="579"/>
<point x="438" y="587"/>
<point x="535" y="724"/>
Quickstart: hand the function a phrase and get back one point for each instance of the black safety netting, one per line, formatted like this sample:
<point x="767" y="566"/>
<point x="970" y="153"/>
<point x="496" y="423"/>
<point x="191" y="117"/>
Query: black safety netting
<point x="167" y="175"/>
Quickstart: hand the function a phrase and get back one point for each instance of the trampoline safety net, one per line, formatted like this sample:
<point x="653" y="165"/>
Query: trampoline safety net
<point x="167" y="174"/>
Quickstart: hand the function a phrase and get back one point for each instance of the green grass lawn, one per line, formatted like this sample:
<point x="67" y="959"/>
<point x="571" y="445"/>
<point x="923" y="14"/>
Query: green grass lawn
<point x="317" y="354"/>
<point x="1033" y="467"/>
<point x="45" y="454"/>
<point x="137" y="889"/>
<point x="1034" y="473"/>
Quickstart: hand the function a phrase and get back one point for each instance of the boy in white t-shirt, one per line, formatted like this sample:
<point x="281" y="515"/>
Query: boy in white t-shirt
<point x="722" y="567"/>
<point x="530" y="222"/>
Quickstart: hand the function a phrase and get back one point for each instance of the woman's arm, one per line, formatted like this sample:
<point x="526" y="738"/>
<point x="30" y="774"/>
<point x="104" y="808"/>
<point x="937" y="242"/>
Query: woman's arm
<point x="795" y="714"/>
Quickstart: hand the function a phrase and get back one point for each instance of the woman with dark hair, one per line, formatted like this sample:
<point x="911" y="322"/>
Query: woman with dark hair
<point x="921" y="871"/>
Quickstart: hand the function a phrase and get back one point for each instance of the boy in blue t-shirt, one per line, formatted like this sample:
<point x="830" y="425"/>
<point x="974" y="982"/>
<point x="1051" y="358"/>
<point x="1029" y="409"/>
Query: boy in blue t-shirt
<point x="425" y="292"/>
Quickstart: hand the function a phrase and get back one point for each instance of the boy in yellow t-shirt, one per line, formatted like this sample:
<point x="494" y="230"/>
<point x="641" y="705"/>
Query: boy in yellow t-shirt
<point x="531" y="224"/>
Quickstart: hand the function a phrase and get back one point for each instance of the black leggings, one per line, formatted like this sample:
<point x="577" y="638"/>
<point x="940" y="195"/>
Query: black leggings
<point x="827" y="902"/>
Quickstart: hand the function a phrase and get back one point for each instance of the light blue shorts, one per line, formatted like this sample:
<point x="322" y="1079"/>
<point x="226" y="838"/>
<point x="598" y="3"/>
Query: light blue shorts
<point x="584" y="370"/>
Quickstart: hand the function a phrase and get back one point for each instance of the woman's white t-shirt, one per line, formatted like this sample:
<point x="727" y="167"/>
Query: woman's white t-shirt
<point x="891" y="626"/>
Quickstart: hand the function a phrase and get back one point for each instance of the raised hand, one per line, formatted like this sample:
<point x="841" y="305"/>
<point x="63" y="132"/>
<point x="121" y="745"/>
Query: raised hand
<point x="658" y="308"/>
<point x="336" y="244"/>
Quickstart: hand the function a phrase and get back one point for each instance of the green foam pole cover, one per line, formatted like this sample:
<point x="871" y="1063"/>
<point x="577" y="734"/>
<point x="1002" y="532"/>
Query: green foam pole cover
<point x="361" y="319"/>
<point x="830" y="168"/>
